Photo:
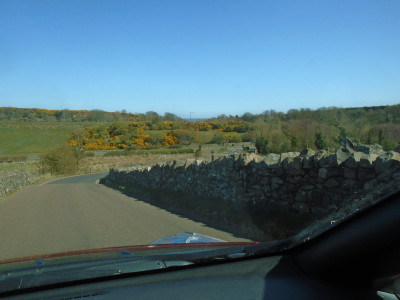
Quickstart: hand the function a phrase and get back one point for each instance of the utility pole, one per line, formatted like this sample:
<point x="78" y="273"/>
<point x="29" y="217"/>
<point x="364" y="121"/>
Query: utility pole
<point x="191" y="116"/>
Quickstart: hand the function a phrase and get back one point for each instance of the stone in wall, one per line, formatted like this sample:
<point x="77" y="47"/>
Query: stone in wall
<point x="385" y="162"/>
<point x="308" y="182"/>
<point x="370" y="149"/>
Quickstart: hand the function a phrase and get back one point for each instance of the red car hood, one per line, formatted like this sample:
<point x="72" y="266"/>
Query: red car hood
<point x="110" y="252"/>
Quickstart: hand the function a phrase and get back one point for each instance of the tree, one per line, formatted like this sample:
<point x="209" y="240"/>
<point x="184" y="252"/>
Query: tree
<point x="170" y="117"/>
<point x="248" y="117"/>
<point x="262" y="145"/>
<point x="380" y="136"/>
<point x="127" y="138"/>
<point x="154" y="118"/>
<point x="343" y="135"/>
<point x="118" y="129"/>
<point x="60" y="160"/>
<point x="320" y="142"/>
<point x="187" y="137"/>
<point x="63" y="115"/>
<point x="235" y="138"/>
<point x="218" y="138"/>
<point x="96" y="115"/>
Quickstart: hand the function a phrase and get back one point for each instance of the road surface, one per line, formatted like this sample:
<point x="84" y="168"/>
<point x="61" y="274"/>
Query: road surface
<point x="75" y="213"/>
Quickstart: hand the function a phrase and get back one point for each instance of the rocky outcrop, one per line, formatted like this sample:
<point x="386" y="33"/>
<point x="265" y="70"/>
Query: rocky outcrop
<point x="316" y="183"/>
<point x="11" y="181"/>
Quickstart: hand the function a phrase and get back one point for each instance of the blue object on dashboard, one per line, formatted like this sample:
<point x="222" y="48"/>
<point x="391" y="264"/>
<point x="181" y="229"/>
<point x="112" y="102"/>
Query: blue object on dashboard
<point x="186" y="238"/>
<point x="39" y="263"/>
<point x="125" y="253"/>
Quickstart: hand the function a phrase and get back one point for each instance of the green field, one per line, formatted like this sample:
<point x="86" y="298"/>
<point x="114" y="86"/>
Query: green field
<point x="38" y="137"/>
<point x="32" y="140"/>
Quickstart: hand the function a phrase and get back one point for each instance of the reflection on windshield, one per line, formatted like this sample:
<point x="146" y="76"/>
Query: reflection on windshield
<point x="126" y="123"/>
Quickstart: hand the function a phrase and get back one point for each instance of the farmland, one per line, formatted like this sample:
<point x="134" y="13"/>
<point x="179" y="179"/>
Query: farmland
<point x="26" y="140"/>
<point x="36" y="138"/>
<point x="271" y="131"/>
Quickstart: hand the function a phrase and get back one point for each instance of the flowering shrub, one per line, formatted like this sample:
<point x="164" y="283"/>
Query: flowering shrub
<point x="91" y="139"/>
<point x="167" y="125"/>
<point x="99" y="145"/>
<point x="204" y="126"/>
<point x="169" y="139"/>
<point x="142" y="140"/>
<point x="73" y="143"/>
<point x="122" y="146"/>
<point x="122" y="135"/>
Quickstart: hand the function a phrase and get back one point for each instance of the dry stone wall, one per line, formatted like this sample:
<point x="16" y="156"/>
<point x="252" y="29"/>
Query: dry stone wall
<point x="11" y="181"/>
<point x="311" y="182"/>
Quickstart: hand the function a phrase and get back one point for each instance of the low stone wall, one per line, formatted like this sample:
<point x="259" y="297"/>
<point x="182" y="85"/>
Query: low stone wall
<point x="311" y="182"/>
<point x="11" y="181"/>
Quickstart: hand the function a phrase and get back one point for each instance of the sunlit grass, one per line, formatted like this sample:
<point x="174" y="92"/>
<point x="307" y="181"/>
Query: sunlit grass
<point x="39" y="137"/>
<point x="30" y="166"/>
<point x="31" y="140"/>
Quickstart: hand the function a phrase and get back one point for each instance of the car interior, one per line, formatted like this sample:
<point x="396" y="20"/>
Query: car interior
<point x="357" y="259"/>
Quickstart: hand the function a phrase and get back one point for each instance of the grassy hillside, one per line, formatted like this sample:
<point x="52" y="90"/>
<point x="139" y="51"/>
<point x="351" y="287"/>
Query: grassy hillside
<point x="17" y="140"/>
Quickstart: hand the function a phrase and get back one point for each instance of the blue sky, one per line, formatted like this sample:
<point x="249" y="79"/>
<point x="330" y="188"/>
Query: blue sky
<point x="207" y="57"/>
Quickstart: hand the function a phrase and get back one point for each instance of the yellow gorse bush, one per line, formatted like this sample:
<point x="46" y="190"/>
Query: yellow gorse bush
<point x="169" y="139"/>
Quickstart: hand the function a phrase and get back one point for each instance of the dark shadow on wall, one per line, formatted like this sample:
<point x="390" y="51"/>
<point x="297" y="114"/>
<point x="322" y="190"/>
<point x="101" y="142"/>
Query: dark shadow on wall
<point x="243" y="220"/>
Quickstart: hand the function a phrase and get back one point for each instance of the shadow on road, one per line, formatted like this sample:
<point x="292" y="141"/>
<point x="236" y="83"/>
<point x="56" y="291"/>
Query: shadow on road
<point x="211" y="212"/>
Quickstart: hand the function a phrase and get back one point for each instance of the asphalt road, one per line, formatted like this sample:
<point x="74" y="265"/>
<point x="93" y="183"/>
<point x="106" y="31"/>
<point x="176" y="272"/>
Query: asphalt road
<point x="75" y="213"/>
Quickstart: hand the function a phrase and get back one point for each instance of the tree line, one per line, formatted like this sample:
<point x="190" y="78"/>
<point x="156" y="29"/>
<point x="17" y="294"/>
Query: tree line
<point x="15" y="114"/>
<point x="271" y="131"/>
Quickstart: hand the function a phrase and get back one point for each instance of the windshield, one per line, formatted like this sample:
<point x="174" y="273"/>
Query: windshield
<point x="130" y="123"/>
